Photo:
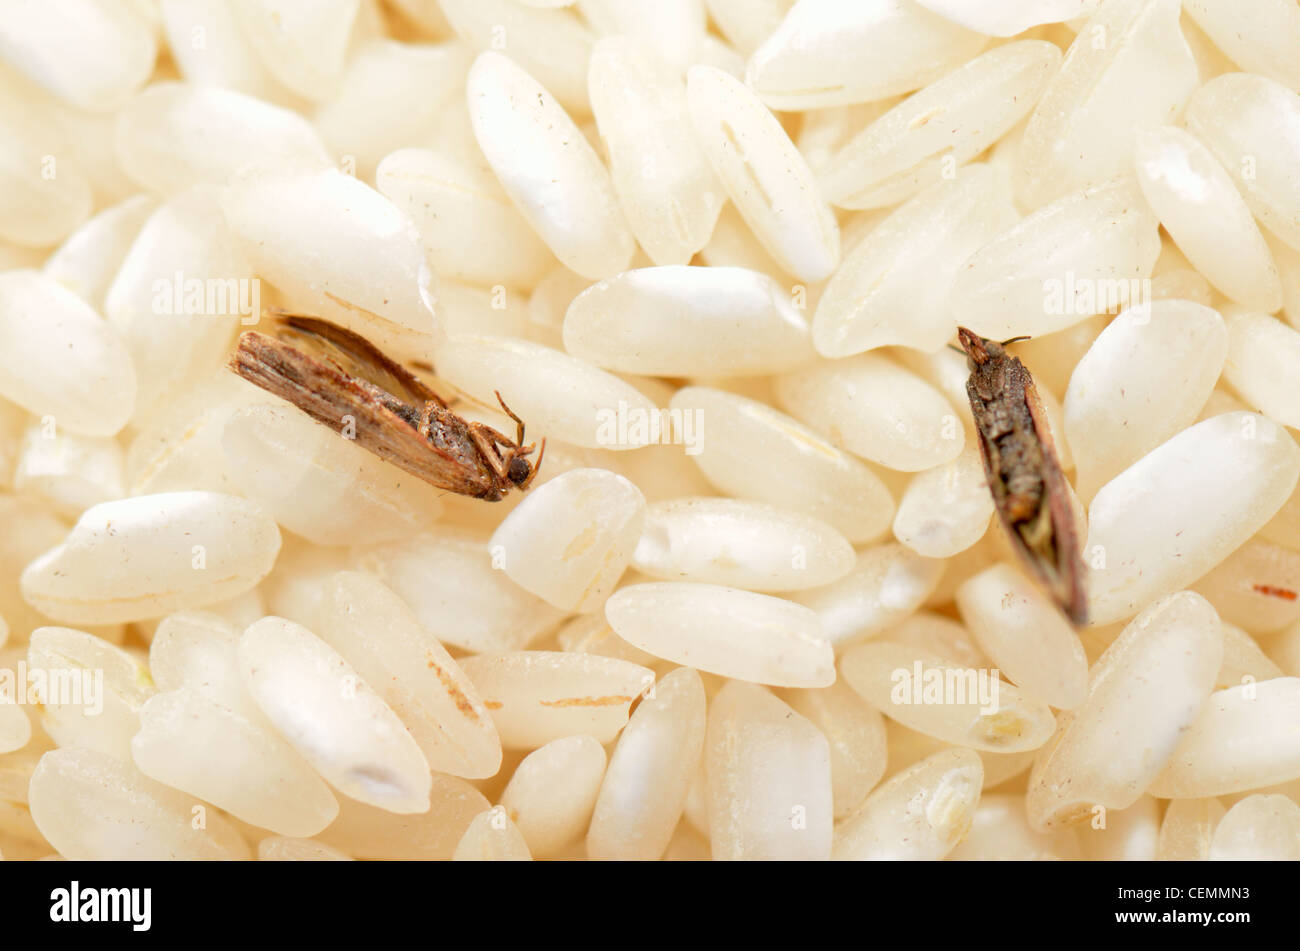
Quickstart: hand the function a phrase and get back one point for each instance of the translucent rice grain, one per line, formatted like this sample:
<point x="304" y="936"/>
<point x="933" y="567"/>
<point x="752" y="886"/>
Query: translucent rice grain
<point x="553" y="791"/>
<point x="412" y="673"/>
<point x="673" y="30"/>
<point x="197" y="651"/>
<point x="147" y="556"/>
<point x="449" y="581"/>
<point x="1009" y="17"/>
<point x="95" y="807"/>
<point x="180" y="448"/>
<point x="1025" y="635"/>
<point x="823" y="132"/>
<point x="1114" y="745"/>
<point x="1259" y="35"/>
<point x="725" y="631"/>
<point x="1262" y="355"/>
<point x="871" y="406"/>
<point x="180" y="297"/>
<point x="1258" y="829"/>
<point x="734" y="245"/>
<point x="946" y="509"/>
<point x="1063" y="263"/>
<point x="492" y="837"/>
<point x="585" y="411"/>
<point x="15" y="727"/>
<point x="70" y="472"/>
<point x="892" y="288"/>
<point x="856" y="734"/>
<point x="1196" y="201"/>
<point x="298" y="587"/>
<point x="539" y="696"/>
<point x="924" y="138"/>
<point x="391" y="95"/>
<point x="1244" y="660"/>
<point x="886" y="585"/>
<point x="814" y="59"/>
<point x="1232" y="471"/>
<point x="1252" y="125"/>
<point x="13" y="423"/>
<point x="75" y="369"/>
<point x="746" y="23"/>
<point x="552" y="45"/>
<point x="278" y="848"/>
<point x="30" y="530"/>
<point x="547" y="168"/>
<point x="197" y="746"/>
<point x="799" y="469"/>
<point x="484" y="310"/>
<point x="1256" y="587"/>
<point x="766" y="177"/>
<point x="318" y="702"/>
<point x="338" y="248"/>
<point x="471" y="230"/>
<point x="88" y="261"/>
<point x="176" y="135"/>
<point x="663" y="179"/>
<point x="920" y="814"/>
<point x="1243" y="739"/>
<point x="1127" y="835"/>
<point x="37" y="210"/>
<point x="1128" y="69"/>
<point x="938" y="634"/>
<point x="321" y="485"/>
<point x="1144" y="379"/>
<point x="103" y="52"/>
<point x="769" y="780"/>
<point x="226" y="58"/>
<point x="592" y="634"/>
<point x="95" y="690"/>
<point x="569" y="541"/>
<point x="665" y="472"/>
<point x="740" y="544"/>
<point x="1000" y="833"/>
<point x="1181" y="285"/>
<point x="303" y="44"/>
<point x="365" y="832"/>
<point x="1186" y="830"/>
<point x="688" y="321"/>
<point x="645" y="786"/>
<point x="1000" y="720"/>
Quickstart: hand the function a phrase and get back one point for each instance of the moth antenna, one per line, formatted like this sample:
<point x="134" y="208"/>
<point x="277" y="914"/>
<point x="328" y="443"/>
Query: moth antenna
<point x="511" y="413"/>
<point x="1016" y="339"/>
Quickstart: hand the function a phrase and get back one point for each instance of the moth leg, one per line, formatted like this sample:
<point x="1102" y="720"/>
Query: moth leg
<point x="487" y="448"/>
<point x="537" y="466"/>
<point x="496" y="437"/>
<point x="519" y="441"/>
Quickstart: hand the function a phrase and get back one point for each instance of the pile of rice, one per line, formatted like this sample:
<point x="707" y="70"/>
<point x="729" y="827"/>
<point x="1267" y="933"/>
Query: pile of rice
<point x="756" y="605"/>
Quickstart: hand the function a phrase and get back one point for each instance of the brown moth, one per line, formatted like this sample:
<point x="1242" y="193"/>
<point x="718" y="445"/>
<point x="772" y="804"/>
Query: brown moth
<point x="342" y="380"/>
<point x="1030" y="493"/>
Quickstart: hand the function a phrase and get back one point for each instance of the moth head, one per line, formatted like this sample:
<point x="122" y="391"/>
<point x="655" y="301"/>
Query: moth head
<point x="519" y="471"/>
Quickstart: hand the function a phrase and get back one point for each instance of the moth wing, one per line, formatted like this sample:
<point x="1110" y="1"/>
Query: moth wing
<point x="989" y="452"/>
<point x="1068" y="583"/>
<point x="354" y="355"/>
<point x="324" y="391"/>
